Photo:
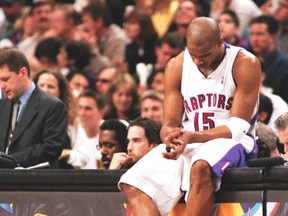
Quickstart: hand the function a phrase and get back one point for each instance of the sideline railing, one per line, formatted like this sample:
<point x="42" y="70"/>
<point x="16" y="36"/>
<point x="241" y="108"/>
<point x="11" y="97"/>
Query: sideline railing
<point x="95" y="192"/>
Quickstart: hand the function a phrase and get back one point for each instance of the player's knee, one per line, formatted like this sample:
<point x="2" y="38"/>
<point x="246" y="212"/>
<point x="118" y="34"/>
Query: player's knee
<point x="200" y="170"/>
<point x="127" y="188"/>
<point x="130" y="191"/>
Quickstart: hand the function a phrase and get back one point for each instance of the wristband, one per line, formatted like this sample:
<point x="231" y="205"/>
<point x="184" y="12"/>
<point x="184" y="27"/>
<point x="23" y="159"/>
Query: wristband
<point x="238" y="127"/>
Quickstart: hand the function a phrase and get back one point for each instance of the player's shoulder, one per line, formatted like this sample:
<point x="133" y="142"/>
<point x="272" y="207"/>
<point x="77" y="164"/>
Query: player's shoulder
<point x="173" y="70"/>
<point x="246" y="56"/>
<point x="176" y="61"/>
<point x="246" y="66"/>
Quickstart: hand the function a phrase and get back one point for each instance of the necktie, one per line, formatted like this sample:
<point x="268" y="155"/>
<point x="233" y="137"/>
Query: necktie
<point x="15" y="114"/>
<point x="13" y="122"/>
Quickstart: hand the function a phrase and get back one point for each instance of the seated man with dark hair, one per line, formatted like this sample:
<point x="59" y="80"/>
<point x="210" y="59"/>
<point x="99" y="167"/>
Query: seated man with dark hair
<point x="112" y="139"/>
<point x="143" y="135"/>
<point x="265" y="109"/>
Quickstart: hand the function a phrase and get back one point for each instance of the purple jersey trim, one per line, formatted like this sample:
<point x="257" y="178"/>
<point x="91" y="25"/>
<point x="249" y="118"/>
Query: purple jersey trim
<point x="226" y="45"/>
<point x="235" y="157"/>
<point x="253" y="154"/>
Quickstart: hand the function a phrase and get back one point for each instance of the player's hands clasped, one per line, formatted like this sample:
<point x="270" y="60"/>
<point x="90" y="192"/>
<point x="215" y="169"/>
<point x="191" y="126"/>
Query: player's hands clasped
<point x="176" y="142"/>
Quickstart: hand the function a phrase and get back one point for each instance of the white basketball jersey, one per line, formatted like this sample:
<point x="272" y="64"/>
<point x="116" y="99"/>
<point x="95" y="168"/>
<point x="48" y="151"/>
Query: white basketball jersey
<point x="208" y="100"/>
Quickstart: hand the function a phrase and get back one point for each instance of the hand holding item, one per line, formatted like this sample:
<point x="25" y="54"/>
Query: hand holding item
<point x="119" y="160"/>
<point x="176" y="143"/>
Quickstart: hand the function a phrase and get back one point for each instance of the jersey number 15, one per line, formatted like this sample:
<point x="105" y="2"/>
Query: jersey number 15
<point x="206" y="123"/>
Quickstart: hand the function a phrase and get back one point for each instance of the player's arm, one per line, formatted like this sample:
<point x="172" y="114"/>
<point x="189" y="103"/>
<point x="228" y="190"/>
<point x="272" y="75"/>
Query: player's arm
<point x="247" y="74"/>
<point x="173" y="101"/>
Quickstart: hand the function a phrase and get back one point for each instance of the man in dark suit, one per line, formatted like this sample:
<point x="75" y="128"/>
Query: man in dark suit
<point x="40" y="129"/>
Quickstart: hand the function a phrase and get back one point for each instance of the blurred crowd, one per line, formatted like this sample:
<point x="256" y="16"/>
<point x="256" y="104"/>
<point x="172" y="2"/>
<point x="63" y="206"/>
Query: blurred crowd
<point x="105" y="60"/>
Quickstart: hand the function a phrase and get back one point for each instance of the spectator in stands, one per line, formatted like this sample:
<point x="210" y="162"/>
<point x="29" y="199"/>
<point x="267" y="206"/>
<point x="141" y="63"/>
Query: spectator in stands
<point x="263" y="30"/>
<point x="229" y="26"/>
<point x="161" y="13"/>
<point x="85" y="133"/>
<point x="279" y="105"/>
<point x="112" y="139"/>
<point x="187" y="11"/>
<point x="281" y="15"/>
<point x="122" y="98"/>
<point x="281" y="88"/>
<point x="156" y="80"/>
<point x="106" y="40"/>
<point x="41" y="122"/>
<point x="166" y="48"/>
<point x="143" y="135"/>
<point x="139" y="28"/>
<point x="56" y="84"/>
<point x="267" y="141"/>
<point x="265" y="109"/>
<point x="24" y="28"/>
<point x="282" y="127"/>
<point x="104" y="79"/>
<point x="12" y="10"/>
<point x="73" y="55"/>
<point x="80" y="81"/>
<point x="41" y="20"/>
<point x="118" y="9"/>
<point x="46" y="52"/>
<point x="64" y="22"/>
<point x="245" y="10"/>
<point x="151" y="104"/>
<point x="267" y="7"/>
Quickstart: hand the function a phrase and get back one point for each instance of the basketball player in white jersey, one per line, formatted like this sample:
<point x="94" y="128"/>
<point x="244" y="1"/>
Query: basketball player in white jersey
<point x="217" y="84"/>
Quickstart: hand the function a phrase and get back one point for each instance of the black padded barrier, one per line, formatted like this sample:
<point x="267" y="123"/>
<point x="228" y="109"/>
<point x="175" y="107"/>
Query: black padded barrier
<point x="95" y="192"/>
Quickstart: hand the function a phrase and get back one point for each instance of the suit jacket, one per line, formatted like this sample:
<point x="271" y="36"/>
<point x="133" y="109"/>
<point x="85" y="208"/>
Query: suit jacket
<point x="40" y="134"/>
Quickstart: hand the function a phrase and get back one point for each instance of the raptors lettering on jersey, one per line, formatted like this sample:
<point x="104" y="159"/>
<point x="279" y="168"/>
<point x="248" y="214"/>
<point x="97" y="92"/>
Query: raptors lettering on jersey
<point x="219" y="101"/>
